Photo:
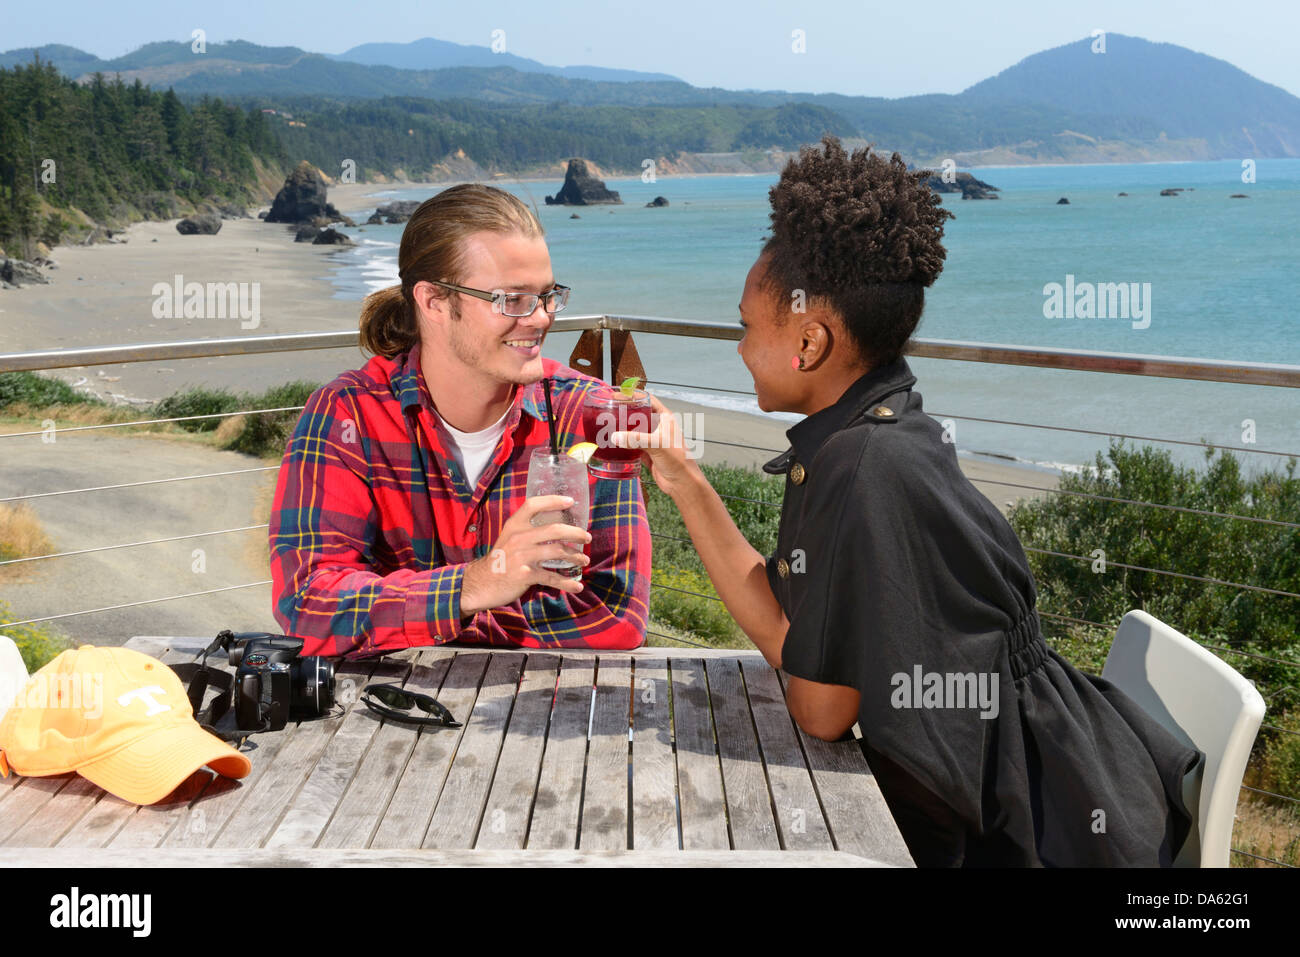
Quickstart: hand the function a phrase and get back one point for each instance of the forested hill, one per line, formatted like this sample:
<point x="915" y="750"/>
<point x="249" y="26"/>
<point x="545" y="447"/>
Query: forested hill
<point x="118" y="152"/>
<point x="114" y="152"/>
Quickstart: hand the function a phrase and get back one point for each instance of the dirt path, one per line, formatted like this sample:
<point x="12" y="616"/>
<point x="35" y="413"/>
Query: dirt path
<point x="83" y="520"/>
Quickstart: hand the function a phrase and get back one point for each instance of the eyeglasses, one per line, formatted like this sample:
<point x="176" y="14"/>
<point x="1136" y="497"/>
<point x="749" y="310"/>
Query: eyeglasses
<point x="384" y="700"/>
<point x="515" y="304"/>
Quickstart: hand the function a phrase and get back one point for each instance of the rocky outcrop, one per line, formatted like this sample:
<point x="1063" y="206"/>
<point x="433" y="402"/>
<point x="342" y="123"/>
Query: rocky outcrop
<point x="964" y="183"/>
<point x="1238" y="196"/>
<point x="1062" y="202"/>
<point x="200" y="224"/>
<point x="306" y="233"/>
<point x="398" y="211"/>
<point x="302" y="199"/>
<point x="1171" y="192"/>
<point x="657" y="201"/>
<point x="582" y="188"/>
<point x="19" y="272"/>
<point x="331" y="237"/>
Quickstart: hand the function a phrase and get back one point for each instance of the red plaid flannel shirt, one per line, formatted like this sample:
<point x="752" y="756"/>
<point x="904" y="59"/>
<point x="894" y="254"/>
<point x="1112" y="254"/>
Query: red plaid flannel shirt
<point x="373" y="524"/>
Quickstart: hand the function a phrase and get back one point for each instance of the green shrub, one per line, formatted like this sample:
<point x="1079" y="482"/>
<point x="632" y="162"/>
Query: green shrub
<point x="36" y="643"/>
<point x="1281" y="764"/>
<point x="198" y="401"/>
<point x="702" y="619"/>
<point x="1226" y="549"/>
<point x="676" y="566"/>
<point x="38" y="392"/>
<point x="263" y="434"/>
<point x="267" y="433"/>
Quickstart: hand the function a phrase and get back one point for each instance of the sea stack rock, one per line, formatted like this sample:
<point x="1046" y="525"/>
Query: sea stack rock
<point x="1171" y="192"/>
<point x="302" y="199"/>
<point x="1238" y="196"/>
<point x="331" y="237"/>
<point x="657" y="201"/>
<point x="398" y="211"/>
<point x="1062" y="202"/>
<point x="964" y="183"/>
<point x="582" y="188"/>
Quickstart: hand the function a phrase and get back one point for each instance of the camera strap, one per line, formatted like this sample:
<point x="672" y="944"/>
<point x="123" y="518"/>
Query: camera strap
<point x="197" y="678"/>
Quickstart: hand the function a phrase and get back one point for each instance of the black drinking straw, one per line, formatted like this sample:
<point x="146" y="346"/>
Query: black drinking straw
<point x="550" y="417"/>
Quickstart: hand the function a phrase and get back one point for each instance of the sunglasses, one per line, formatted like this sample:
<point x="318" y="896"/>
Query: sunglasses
<point x="385" y="700"/>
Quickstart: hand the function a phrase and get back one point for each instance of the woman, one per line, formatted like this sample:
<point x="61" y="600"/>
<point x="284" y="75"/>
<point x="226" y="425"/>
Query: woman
<point x="898" y="596"/>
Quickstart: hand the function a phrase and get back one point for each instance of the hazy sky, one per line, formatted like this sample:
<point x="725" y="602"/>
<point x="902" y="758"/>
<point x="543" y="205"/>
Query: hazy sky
<point x="871" y="48"/>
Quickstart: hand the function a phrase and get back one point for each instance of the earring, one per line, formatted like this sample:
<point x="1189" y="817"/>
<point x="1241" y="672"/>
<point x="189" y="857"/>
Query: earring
<point x="796" y="363"/>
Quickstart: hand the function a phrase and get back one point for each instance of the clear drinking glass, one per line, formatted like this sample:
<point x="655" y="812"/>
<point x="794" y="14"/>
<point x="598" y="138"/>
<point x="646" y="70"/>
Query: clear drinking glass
<point x="550" y="474"/>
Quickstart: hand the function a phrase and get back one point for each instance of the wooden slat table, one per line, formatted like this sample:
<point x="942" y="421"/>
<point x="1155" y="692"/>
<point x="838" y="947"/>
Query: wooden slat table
<point x="656" y="756"/>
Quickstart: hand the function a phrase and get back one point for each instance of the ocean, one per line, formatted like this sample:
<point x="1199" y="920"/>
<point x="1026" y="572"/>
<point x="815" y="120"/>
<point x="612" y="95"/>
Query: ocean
<point x="1213" y="276"/>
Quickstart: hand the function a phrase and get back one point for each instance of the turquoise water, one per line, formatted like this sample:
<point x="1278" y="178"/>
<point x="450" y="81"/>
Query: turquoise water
<point x="1220" y="272"/>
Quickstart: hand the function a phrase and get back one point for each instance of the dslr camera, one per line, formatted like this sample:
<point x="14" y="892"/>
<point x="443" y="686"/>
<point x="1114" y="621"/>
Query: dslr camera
<point x="273" y="683"/>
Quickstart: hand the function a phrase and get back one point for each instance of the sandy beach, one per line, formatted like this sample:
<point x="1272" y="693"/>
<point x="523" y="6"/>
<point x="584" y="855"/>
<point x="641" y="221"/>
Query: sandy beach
<point x="104" y="294"/>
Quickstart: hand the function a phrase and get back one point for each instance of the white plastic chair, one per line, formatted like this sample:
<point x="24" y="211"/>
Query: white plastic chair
<point x="1203" y="702"/>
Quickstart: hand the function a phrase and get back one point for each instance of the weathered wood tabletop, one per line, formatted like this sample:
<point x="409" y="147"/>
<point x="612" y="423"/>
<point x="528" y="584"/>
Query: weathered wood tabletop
<point x="655" y="756"/>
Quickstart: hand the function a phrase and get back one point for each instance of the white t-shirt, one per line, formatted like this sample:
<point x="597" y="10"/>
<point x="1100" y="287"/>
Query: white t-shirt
<point x="473" y="450"/>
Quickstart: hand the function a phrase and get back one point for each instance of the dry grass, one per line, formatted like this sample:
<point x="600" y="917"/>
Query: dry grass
<point x="1267" y="830"/>
<point x="228" y="430"/>
<point x="21" y="536"/>
<point x="257" y="550"/>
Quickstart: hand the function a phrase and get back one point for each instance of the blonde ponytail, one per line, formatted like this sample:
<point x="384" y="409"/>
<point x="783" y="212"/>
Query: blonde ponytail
<point x="388" y="323"/>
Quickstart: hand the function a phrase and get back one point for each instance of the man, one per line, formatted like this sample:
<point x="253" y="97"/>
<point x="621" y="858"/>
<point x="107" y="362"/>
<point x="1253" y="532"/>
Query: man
<point x="400" y="516"/>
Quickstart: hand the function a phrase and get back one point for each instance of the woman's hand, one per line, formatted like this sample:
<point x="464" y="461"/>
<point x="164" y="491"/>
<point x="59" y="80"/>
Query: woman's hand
<point x="664" y="450"/>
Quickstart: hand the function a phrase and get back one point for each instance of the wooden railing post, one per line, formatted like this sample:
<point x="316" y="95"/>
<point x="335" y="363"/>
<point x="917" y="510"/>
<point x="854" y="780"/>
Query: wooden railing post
<point x="588" y="353"/>
<point x="623" y="356"/>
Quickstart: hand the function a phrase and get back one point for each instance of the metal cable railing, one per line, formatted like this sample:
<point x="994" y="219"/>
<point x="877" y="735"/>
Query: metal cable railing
<point x="1161" y="571"/>
<point x="161" y="481"/>
<point x="130" y="604"/>
<point x="1023" y="425"/>
<point x="151" y="541"/>
<point x="1174" y="367"/>
<point x="1113" y="435"/>
<point x="135" y="423"/>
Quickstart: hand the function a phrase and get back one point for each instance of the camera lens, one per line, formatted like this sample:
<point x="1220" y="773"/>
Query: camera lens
<point x="312" y="686"/>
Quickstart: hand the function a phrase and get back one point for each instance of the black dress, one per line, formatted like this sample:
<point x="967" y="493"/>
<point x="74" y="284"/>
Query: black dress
<point x="901" y="580"/>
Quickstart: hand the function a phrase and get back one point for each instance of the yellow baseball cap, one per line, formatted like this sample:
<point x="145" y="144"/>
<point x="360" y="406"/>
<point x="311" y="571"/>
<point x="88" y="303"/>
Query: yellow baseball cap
<point x="119" y="718"/>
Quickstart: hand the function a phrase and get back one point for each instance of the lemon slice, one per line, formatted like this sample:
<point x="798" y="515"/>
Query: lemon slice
<point x="583" y="451"/>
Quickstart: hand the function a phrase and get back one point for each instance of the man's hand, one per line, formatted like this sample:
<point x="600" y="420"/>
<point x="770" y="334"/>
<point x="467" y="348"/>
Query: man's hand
<point x="513" y="566"/>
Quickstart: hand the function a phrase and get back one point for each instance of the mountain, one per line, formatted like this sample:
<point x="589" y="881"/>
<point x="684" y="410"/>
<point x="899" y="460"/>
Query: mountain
<point x="69" y="60"/>
<point x="431" y="54"/>
<point x="1187" y="95"/>
<point x="1138" y="101"/>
